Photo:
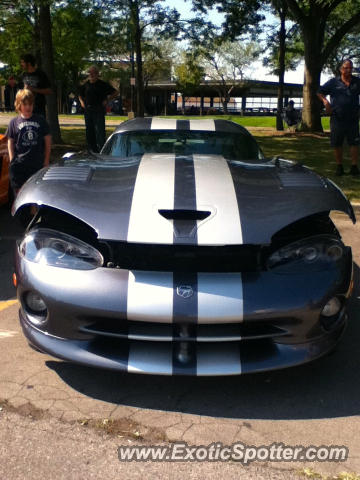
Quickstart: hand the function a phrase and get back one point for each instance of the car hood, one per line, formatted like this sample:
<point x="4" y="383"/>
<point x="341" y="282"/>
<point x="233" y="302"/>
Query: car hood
<point x="164" y="199"/>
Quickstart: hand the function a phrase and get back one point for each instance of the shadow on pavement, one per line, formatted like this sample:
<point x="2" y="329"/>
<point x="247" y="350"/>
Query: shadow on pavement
<point x="328" y="387"/>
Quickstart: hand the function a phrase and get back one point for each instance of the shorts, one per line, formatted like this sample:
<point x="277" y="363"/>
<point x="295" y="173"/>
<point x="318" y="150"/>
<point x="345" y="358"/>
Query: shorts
<point x="341" y="129"/>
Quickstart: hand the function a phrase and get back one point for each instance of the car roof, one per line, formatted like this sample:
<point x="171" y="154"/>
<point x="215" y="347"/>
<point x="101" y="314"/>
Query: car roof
<point x="156" y="123"/>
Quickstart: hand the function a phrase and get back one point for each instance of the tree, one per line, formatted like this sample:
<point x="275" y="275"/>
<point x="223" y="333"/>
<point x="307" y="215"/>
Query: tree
<point x="281" y="9"/>
<point x="34" y="16"/>
<point x="76" y="33"/>
<point x="77" y="37"/>
<point x="284" y="53"/>
<point x="241" y="16"/>
<point x="188" y="75"/>
<point x="349" y="48"/>
<point x="140" y="15"/>
<point x="17" y="32"/>
<point x="323" y="25"/>
<point x="48" y="66"/>
<point x="159" y="56"/>
<point x="226" y="62"/>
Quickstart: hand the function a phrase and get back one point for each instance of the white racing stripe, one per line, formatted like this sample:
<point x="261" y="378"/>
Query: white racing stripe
<point x="154" y="190"/>
<point x="163" y="124"/>
<point x="147" y="359"/>
<point x="210" y="360"/>
<point x="220" y="298"/>
<point x="215" y="191"/>
<point x="208" y="125"/>
<point x="221" y="360"/>
<point x="150" y="296"/>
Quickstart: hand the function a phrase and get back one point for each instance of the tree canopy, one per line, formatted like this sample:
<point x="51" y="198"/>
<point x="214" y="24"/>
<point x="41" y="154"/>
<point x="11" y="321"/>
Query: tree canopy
<point x="323" y="25"/>
<point x="128" y="37"/>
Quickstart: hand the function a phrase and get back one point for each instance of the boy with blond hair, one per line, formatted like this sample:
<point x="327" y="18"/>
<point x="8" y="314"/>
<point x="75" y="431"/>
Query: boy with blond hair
<point x="29" y="141"/>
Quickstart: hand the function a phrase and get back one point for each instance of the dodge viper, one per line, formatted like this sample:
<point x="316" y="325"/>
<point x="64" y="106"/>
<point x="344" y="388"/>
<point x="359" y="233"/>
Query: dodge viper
<point x="182" y="249"/>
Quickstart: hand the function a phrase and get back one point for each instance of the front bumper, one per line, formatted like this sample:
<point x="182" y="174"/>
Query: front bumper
<point x="161" y="358"/>
<point x="136" y="322"/>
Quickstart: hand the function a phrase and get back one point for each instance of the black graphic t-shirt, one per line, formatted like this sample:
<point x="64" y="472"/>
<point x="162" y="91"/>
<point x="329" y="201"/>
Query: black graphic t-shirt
<point x="37" y="79"/>
<point x="28" y="135"/>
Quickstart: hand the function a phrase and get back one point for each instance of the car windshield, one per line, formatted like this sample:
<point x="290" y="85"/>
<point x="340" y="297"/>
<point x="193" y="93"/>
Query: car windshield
<point x="232" y="146"/>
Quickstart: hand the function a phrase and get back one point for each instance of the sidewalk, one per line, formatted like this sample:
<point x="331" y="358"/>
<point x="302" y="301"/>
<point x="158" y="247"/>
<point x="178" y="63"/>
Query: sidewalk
<point x="65" y="120"/>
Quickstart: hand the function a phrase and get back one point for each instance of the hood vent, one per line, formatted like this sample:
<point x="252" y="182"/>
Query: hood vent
<point x="73" y="174"/>
<point x="179" y="214"/>
<point x="300" y="179"/>
<point x="185" y="221"/>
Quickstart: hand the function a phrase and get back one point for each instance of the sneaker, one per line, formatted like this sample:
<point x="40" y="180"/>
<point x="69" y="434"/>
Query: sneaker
<point x="339" y="170"/>
<point x="354" y="170"/>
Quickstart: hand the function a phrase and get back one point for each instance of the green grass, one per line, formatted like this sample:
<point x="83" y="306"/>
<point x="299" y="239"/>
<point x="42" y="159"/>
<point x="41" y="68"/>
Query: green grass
<point x="248" y="121"/>
<point x="75" y="135"/>
<point x="313" y="151"/>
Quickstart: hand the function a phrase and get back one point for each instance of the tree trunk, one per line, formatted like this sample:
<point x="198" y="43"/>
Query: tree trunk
<point x="225" y="102"/>
<point x="311" y="119"/>
<point x="282" y="47"/>
<point x="313" y="31"/>
<point x="36" y="33"/>
<point x="138" y="51"/>
<point x="48" y="66"/>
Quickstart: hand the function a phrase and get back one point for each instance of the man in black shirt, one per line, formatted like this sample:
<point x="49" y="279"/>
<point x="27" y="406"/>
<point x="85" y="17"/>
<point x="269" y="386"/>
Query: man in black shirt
<point x="36" y="81"/>
<point x="94" y="94"/>
<point x="344" y="110"/>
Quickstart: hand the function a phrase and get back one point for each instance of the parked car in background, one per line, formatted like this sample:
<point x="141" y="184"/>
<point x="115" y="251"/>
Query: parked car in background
<point x="182" y="249"/>
<point x="4" y="170"/>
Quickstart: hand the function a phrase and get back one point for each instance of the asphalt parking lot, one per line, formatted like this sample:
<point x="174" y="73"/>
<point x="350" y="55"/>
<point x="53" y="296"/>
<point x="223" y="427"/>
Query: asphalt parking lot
<point x="315" y="404"/>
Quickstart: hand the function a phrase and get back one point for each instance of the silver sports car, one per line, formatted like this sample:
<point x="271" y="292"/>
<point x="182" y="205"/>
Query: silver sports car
<point x="181" y="249"/>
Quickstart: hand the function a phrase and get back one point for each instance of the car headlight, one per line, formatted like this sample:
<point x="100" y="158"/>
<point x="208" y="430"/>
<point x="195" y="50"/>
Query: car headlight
<point x="322" y="248"/>
<point x="57" y="249"/>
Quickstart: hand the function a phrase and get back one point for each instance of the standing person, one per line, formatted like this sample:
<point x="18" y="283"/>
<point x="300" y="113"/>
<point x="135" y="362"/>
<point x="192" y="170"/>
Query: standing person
<point x="344" y="110"/>
<point x="94" y="94"/>
<point x="29" y="141"/>
<point x="9" y="94"/>
<point x="36" y="81"/>
<point x="292" y="116"/>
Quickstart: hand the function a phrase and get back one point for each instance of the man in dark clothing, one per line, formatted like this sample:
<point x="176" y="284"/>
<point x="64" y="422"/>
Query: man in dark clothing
<point x="292" y="116"/>
<point x="9" y="94"/>
<point x="36" y="81"/>
<point x="344" y="110"/>
<point x="94" y="94"/>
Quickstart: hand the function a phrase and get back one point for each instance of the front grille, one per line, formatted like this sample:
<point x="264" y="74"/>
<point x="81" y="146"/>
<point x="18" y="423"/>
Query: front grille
<point x="199" y="333"/>
<point x="189" y="258"/>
